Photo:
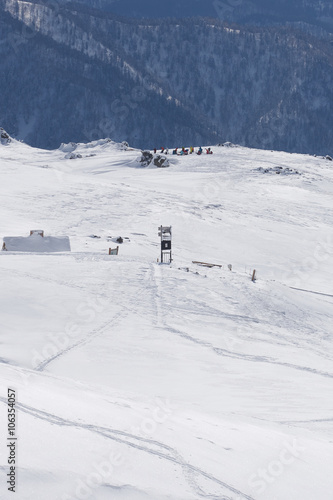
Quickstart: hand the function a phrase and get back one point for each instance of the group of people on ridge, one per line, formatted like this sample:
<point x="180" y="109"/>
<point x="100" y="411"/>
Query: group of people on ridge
<point x="184" y="151"/>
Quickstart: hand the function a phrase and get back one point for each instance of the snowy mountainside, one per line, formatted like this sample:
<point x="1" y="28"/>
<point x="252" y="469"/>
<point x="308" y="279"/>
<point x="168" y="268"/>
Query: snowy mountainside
<point x="255" y="12"/>
<point x="70" y="73"/>
<point x="147" y="381"/>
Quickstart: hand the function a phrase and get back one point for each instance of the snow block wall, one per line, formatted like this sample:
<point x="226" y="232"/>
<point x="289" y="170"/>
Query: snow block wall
<point x="36" y="243"/>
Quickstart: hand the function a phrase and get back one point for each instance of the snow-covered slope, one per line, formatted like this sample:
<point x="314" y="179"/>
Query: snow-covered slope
<point x="136" y="380"/>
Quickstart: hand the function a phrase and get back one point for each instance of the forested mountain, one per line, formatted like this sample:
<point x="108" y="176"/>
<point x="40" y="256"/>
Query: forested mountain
<point x="69" y="72"/>
<point x="257" y="12"/>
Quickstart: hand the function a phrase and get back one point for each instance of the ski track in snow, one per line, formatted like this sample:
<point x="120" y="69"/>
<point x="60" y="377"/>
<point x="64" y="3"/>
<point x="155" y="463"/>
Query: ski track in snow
<point x="226" y="353"/>
<point x="96" y="332"/>
<point x="244" y="357"/>
<point x="311" y="291"/>
<point x="145" y="445"/>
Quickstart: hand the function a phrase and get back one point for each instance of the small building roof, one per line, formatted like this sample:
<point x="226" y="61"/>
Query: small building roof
<point x="36" y="243"/>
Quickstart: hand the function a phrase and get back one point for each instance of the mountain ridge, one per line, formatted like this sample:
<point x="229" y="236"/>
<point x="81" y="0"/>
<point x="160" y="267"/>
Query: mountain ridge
<point x="162" y="83"/>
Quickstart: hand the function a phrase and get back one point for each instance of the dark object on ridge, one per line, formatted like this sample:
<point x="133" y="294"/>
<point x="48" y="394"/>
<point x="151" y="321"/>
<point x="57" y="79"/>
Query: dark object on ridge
<point x="4" y="134"/>
<point x="146" y="158"/>
<point x="161" y="161"/>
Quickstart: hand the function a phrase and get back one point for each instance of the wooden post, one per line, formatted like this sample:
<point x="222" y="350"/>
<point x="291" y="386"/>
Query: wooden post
<point x="254" y="277"/>
<point x="161" y="229"/>
<point x="114" y="251"/>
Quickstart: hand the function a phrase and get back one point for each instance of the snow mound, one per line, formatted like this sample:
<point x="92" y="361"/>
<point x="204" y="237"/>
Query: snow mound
<point x="227" y="145"/>
<point x="68" y="148"/>
<point x="73" y="156"/>
<point x="161" y="161"/>
<point x="36" y="243"/>
<point x="148" y="159"/>
<point x="145" y="159"/>
<point x="75" y="150"/>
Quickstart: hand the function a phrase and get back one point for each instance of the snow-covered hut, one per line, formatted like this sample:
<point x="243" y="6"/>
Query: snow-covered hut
<point x="36" y="242"/>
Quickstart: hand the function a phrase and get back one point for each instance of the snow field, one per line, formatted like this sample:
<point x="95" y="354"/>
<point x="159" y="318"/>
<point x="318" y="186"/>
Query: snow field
<point x="144" y="381"/>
